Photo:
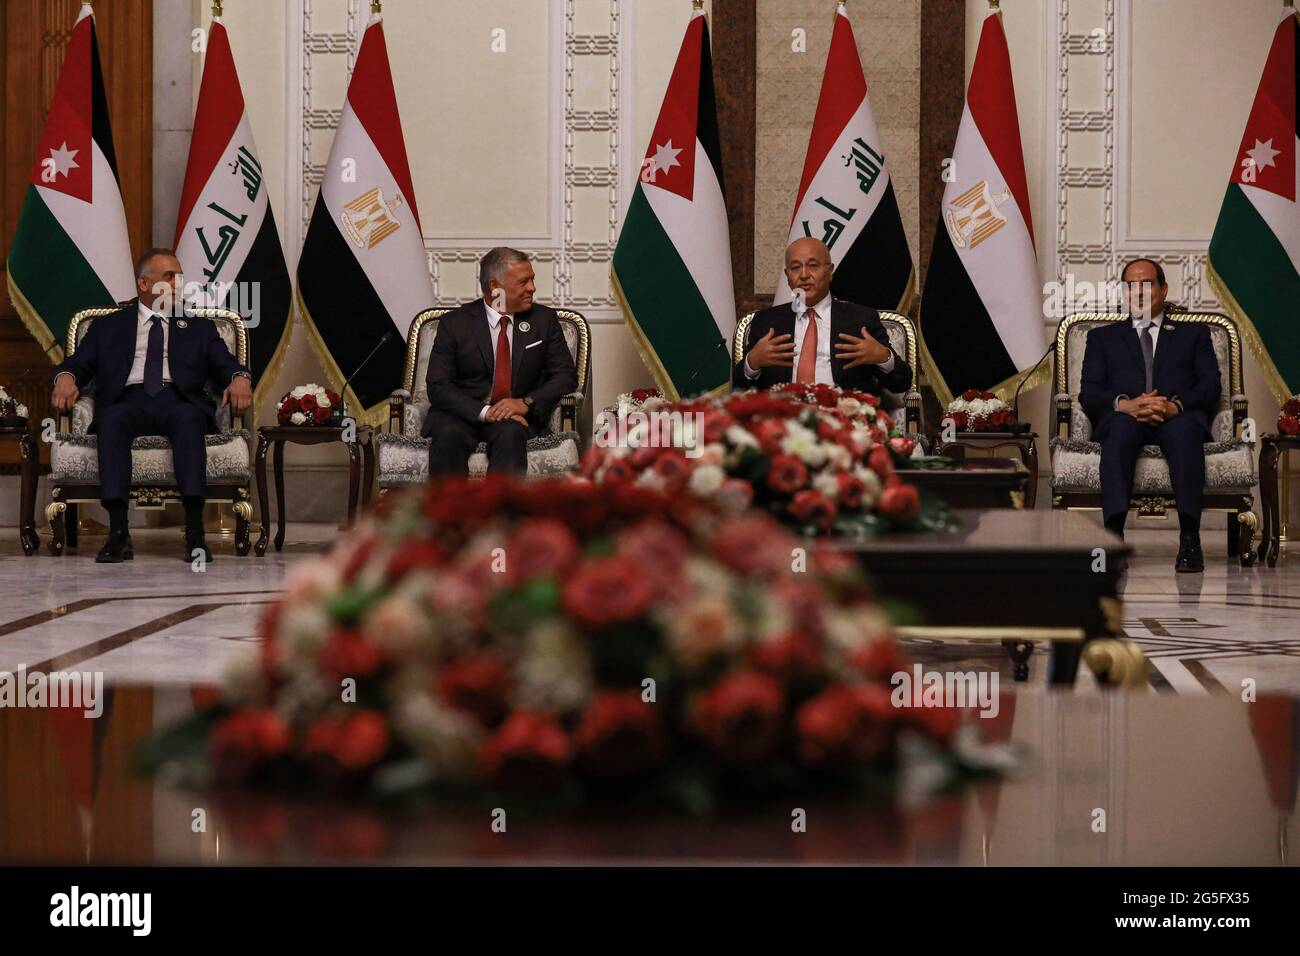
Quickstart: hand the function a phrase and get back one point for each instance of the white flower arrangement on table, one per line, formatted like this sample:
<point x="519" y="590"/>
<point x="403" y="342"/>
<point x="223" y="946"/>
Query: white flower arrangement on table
<point x="10" y="407"/>
<point x="976" y="411"/>
<point x="309" y="404"/>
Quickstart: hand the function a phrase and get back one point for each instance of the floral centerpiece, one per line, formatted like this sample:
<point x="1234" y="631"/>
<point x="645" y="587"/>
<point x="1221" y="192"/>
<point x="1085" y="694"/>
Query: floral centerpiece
<point x="1288" y="418"/>
<point x="819" y="458"/>
<point x="630" y="401"/>
<point x="309" y="404"/>
<point x="11" y="409"/>
<point x="571" y="643"/>
<point x="976" y="411"/>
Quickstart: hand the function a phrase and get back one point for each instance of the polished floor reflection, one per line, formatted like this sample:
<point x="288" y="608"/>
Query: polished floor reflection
<point x="1113" y="779"/>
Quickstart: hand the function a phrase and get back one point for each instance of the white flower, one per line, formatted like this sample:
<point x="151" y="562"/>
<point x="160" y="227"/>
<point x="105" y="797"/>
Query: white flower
<point x="298" y="391"/>
<point x="324" y="400"/>
<point x="4" y="396"/>
<point x="298" y="418"/>
<point x="446" y="740"/>
<point x="22" y="411"/>
<point x="849" y="406"/>
<point x="739" y="437"/>
<point x="652" y="480"/>
<point x="839" y="457"/>
<point x="705" y="480"/>
<point x="827" y="484"/>
<point x="803" y="442"/>
<point x="701" y="628"/>
<point x="553" y="672"/>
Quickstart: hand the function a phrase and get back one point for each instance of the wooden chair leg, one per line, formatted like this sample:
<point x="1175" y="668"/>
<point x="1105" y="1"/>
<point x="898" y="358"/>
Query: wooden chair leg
<point x="57" y="514"/>
<point x="70" y="525"/>
<point x="1245" y="527"/>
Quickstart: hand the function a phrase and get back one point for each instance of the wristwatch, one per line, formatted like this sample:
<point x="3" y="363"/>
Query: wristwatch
<point x="528" y="401"/>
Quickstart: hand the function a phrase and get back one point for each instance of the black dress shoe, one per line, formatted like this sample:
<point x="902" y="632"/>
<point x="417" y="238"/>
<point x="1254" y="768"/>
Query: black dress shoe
<point x="196" y="542"/>
<point x="117" y="548"/>
<point x="1190" y="558"/>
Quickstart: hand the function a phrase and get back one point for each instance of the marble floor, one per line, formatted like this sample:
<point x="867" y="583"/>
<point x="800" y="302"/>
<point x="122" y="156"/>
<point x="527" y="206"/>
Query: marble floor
<point x="154" y="620"/>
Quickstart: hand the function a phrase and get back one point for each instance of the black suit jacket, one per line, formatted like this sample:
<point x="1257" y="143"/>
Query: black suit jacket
<point x="459" y="377"/>
<point x="846" y="317"/>
<point x="196" y="354"/>
<point x="1185" y="368"/>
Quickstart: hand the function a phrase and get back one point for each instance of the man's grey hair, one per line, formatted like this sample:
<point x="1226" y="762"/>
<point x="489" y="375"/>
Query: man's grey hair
<point x="142" y="264"/>
<point x="495" y="263"/>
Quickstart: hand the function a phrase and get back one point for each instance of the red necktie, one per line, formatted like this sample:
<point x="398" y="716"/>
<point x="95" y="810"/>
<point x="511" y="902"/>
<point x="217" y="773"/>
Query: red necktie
<point x="807" y="370"/>
<point x="501" y="374"/>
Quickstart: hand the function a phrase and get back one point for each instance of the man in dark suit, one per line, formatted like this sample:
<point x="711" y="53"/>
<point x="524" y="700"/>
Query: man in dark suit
<point x="1151" y="380"/>
<point x="498" y="366"/>
<point x="149" y="363"/>
<point x="792" y="343"/>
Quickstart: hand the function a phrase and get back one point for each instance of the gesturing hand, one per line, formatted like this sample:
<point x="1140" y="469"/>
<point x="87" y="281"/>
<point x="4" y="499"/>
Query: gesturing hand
<point x="856" y="351"/>
<point x="772" y="350"/>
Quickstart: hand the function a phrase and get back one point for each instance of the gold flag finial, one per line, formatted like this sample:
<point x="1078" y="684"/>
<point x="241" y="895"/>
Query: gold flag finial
<point x="216" y="8"/>
<point x="995" y="5"/>
<point x="697" y="4"/>
<point x="375" y="5"/>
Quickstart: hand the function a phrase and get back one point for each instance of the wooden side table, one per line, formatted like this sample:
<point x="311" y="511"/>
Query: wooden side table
<point x="21" y="431"/>
<point x="277" y="435"/>
<point x="1271" y="449"/>
<point x="1025" y="443"/>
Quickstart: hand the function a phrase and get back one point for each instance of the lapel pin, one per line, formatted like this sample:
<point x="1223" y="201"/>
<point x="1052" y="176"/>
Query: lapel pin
<point x="181" y="324"/>
<point x="524" y="326"/>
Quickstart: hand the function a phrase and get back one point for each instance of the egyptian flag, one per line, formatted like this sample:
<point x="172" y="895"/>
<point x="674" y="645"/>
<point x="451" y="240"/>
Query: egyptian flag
<point x="363" y="273"/>
<point x="1255" y="251"/>
<point x="672" y="264"/>
<point x="70" y="250"/>
<point x="846" y="198"/>
<point x="226" y="238"/>
<point x="982" y="308"/>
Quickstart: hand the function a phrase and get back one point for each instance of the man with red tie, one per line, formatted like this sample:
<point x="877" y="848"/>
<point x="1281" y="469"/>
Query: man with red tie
<point x="818" y="339"/>
<point x="498" y="366"/>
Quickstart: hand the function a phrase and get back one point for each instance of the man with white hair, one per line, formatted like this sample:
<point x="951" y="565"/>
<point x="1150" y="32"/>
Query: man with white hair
<point x="499" y="365"/>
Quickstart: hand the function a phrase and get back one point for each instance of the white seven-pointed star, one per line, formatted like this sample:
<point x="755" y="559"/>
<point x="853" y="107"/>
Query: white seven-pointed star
<point x="1263" y="153"/>
<point x="62" y="159"/>
<point x="666" y="157"/>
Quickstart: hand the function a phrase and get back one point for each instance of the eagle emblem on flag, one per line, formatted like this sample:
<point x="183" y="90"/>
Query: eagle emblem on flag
<point x="973" y="216"/>
<point x="368" y="219"/>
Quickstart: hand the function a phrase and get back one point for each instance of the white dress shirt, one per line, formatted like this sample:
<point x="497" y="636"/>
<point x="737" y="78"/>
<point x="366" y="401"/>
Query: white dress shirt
<point x="1156" y="322"/>
<point x="824" y="375"/>
<point x="494" y="329"/>
<point x="144" y="321"/>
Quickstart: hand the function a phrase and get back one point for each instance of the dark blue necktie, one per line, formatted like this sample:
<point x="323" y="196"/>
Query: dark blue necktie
<point x="153" y="358"/>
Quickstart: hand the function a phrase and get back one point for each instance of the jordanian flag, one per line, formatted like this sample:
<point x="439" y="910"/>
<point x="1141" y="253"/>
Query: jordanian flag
<point x="70" y="250"/>
<point x="846" y="198"/>
<point x="672" y="265"/>
<point x="226" y="238"/>
<point x="982" y="308"/>
<point x="1255" y="251"/>
<point x="363" y="272"/>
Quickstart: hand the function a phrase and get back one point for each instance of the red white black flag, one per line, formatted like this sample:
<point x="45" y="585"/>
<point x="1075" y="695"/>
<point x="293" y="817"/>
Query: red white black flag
<point x="846" y="197"/>
<point x="226" y="238"/>
<point x="982" y="308"/>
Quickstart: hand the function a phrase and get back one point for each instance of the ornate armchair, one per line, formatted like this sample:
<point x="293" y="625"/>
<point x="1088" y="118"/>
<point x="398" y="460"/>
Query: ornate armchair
<point x="74" y="463"/>
<point x="403" y="454"/>
<point x="902" y="339"/>
<point x="1229" y="459"/>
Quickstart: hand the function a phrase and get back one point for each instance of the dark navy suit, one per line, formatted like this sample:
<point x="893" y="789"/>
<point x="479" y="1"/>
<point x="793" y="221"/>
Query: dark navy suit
<point x="182" y="411"/>
<point x="1185" y="369"/>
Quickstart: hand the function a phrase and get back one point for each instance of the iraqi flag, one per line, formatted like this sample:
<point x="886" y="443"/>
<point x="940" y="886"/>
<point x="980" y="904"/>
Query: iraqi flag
<point x="226" y="238"/>
<point x="70" y="250"/>
<point x="982" y="308"/>
<point x="363" y="273"/>
<point x="846" y="198"/>
<point x="672" y="264"/>
<point x="1255" y="251"/>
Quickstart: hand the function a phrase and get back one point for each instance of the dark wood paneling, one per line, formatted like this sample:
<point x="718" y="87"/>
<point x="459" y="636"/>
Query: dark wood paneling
<point x="943" y="82"/>
<point x="34" y="37"/>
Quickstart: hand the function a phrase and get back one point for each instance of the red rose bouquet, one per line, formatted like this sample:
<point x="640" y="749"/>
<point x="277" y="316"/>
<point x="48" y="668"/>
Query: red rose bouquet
<point x="562" y="639"/>
<point x="819" y="458"/>
<point x="309" y="404"/>
<point x="1288" y="419"/>
<point x="976" y="411"/>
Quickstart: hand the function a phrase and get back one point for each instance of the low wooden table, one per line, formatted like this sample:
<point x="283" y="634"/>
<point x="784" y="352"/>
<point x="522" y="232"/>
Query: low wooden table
<point x="25" y="436"/>
<point x="975" y="483"/>
<point x="1010" y="576"/>
<point x="1271" y="449"/>
<point x="277" y="435"/>
<point x="1026" y="445"/>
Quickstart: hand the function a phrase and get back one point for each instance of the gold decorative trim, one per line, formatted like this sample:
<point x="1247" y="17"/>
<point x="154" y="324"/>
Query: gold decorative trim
<point x="1272" y="377"/>
<point x="1116" y="663"/>
<point x="909" y="332"/>
<point x="1204" y="318"/>
<point x="432" y="315"/>
<point x="32" y="319"/>
<point x="977" y="633"/>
